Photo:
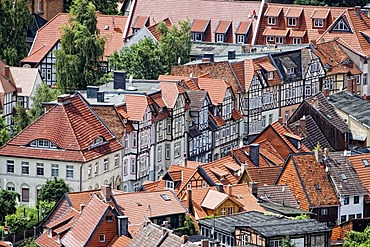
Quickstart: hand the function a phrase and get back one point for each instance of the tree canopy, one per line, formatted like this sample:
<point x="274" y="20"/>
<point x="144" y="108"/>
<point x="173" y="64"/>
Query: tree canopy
<point x="43" y="93"/>
<point x="53" y="190"/>
<point x="103" y="6"/>
<point x="77" y="62"/>
<point x="8" y="203"/>
<point x="4" y="132"/>
<point x="148" y="59"/>
<point x="358" y="239"/>
<point x="15" y="20"/>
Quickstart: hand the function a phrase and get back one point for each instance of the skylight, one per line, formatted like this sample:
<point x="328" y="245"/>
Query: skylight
<point x="317" y="186"/>
<point x="366" y="163"/>
<point x="165" y="197"/>
<point x="343" y="176"/>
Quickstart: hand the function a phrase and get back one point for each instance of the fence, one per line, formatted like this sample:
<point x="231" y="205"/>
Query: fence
<point x="20" y="237"/>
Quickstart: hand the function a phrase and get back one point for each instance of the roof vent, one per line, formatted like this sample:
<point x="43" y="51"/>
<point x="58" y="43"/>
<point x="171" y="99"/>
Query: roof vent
<point x="106" y="27"/>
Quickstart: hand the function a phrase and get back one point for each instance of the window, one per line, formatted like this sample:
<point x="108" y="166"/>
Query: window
<point x="170" y="185"/>
<point x="25" y="194"/>
<point x="10" y="187"/>
<point x="341" y="26"/>
<point x="270" y="118"/>
<point x="351" y="216"/>
<point x="240" y="38"/>
<point x="270" y="75"/>
<point x="168" y="151"/>
<point x="220" y="37"/>
<point x="134" y="140"/>
<point x="278" y="40"/>
<point x="358" y="216"/>
<point x="54" y="170"/>
<point x="292" y="21"/>
<point x="356" y="200"/>
<point x="275" y="243"/>
<point x="263" y="121"/>
<point x="133" y="166"/>
<point x="109" y="218"/>
<point x="159" y="153"/>
<point x="366" y="163"/>
<point x="39" y="6"/>
<point x="223" y="211"/>
<point x="271" y="20"/>
<point x="25" y="168"/>
<point x="48" y="74"/>
<point x="364" y="79"/>
<point x="125" y="141"/>
<point x="329" y="84"/>
<point x="197" y="36"/>
<point x="297" y="41"/>
<point x="324" y="211"/>
<point x="177" y="149"/>
<point x="106" y="164"/>
<point x="96" y="168"/>
<point x="343" y="218"/>
<point x="160" y="130"/>
<point x="116" y="160"/>
<point x="318" y="22"/>
<point x="89" y="169"/>
<point x="346" y="200"/>
<point x="69" y="171"/>
<point x="343" y="176"/>
<point x="290" y="71"/>
<point x="125" y="167"/>
<point x="270" y="39"/>
<point x="102" y="238"/>
<point x="43" y="144"/>
<point x="10" y="166"/>
<point x="169" y="127"/>
<point x="230" y="210"/>
<point x="40" y="169"/>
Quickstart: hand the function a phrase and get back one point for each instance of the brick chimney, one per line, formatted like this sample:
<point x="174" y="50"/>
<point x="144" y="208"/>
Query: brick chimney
<point x="229" y="189"/>
<point x="107" y="192"/>
<point x="189" y="199"/>
<point x="204" y="243"/>
<point x="64" y="99"/>
<point x="254" y="189"/>
<point x="302" y="123"/>
<point x="326" y="92"/>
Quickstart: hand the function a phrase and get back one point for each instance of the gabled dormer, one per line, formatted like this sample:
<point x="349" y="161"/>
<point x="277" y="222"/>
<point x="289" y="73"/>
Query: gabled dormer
<point x="293" y="16"/>
<point x="242" y="32"/>
<point x="288" y="65"/>
<point x="200" y="30"/>
<point x="319" y="18"/>
<point x="223" y="31"/>
<point x="272" y="14"/>
<point x="139" y="22"/>
<point x="341" y="25"/>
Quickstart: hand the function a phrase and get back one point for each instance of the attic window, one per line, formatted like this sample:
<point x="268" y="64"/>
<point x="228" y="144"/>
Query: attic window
<point x="165" y="197"/>
<point x="366" y="163"/>
<point x="42" y="143"/>
<point x="317" y="186"/>
<point x="318" y="22"/>
<point x="341" y="26"/>
<point x="98" y="140"/>
<point x="170" y="185"/>
<point x="139" y="204"/>
<point x="290" y="71"/>
<point x="343" y="176"/>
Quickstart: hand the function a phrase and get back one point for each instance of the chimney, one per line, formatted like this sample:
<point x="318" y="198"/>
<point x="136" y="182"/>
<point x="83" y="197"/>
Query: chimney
<point x="211" y="56"/>
<point x="204" y="243"/>
<point x="315" y="102"/>
<point x="243" y="168"/>
<point x="281" y="120"/>
<point x="185" y="161"/>
<point x="185" y="239"/>
<point x="231" y="54"/>
<point x="7" y="71"/>
<point x="189" y="199"/>
<point x="100" y="96"/>
<point x="64" y="99"/>
<point x="254" y="153"/>
<point x="119" y="80"/>
<point x="254" y="189"/>
<point x="107" y="192"/>
<point x="229" y="189"/>
<point x="122" y="221"/>
<point x="302" y="123"/>
<point x="92" y="92"/>
<point x="318" y="155"/>
<point x="326" y="92"/>
<point x="326" y="152"/>
<point x="82" y="206"/>
<point x="358" y="10"/>
<point x="220" y="188"/>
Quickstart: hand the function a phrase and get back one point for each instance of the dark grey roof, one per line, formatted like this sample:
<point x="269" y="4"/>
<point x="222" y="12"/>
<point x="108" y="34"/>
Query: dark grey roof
<point x="280" y="209"/>
<point x="287" y="62"/>
<point x="267" y="225"/>
<point x="353" y="105"/>
<point x="311" y="134"/>
<point x="345" y="179"/>
<point x="327" y="111"/>
<point x="194" y="131"/>
<point x="289" y="58"/>
<point x="280" y="194"/>
<point x="197" y="98"/>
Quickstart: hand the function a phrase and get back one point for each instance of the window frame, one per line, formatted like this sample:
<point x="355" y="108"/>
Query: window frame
<point x="40" y="166"/>
<point x="271" y="20"/>
<point x="10" y="168"/>
<point x="291" y="20"/>
<point x="55" y="167"/>
<point x="318" y="23"/>
<point x="69" y="171"/>
<point x="25" y="198"/>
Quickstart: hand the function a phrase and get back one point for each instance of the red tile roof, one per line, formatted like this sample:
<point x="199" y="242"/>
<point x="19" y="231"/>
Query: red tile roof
<point x="216" y="89"/>
<point x="153" y="29"/>
<point x="121" y="241"/>
<point x="136" y="106"/>
<point x="360" y="164"/>
<point x="264" y="175"/>
<point x="297" y="33"/>
<point x="275" y="32"/>
<point x="243" y="27"/>
<point x="199" y="25"/>
<point x="73" y="127"/>
<point x="294" y="12"/>
<point x="140" y="21"/>
<point x="223" y="26"/>
<point x="243" y="194"/>
<point x="217" y="168"/>
<point x="170" y="92"/>
<point x="320" y="13"/>
<point x="273" y="11"/>
<point x="48" y="36"/>
<point x="176" y="10"/>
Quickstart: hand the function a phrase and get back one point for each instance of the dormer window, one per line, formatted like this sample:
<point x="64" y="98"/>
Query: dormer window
<point x="41" y="143"/>
<point x="292" y="22"/>
<point x="240" y="38"/>
<point x="197" y="36"/>
<point x="290" y="71"/>
<point x="170" y="185"/>
<point x="271" y="20"/>
<point x="220" y="38"/>
<point x="98" y="140"/>
<point x="341" y="26"/>
<point x="318" y="22"/>
<point x="270" y="75"/>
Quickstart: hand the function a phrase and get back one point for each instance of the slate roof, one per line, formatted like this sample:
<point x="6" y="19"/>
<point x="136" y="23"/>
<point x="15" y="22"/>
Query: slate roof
<point x="357" y="39"/>
<point x="267" y="225"/>
<point x="197" y="98"/>
<point x="352" y="105"/>
<point x="73" y="127"/>
<point x="310" y="133"/>
<point x="280" y="194"/>
<point x="360" y="164"/>
<point x="154" y="235"/>
<point x="49" y="34"/>
<point x="333" y="57"/>
<point x="343" y="175"/>
<point x="176" y="10"/>
<point x="286" y="60"/>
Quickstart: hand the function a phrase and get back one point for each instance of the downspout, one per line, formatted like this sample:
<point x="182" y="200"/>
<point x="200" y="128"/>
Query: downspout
<point x="81" y="176"/>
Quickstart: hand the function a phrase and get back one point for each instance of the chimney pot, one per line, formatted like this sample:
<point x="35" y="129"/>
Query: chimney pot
<point x="281" y="120"/>
<point x="254" y="189"/>
<point x="315" y="102"/>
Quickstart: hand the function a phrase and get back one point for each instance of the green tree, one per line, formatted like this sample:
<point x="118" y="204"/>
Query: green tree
<point x="15" y="20"/>
<point x="287" y="242"/>
<point x="358" y="239"/>
<point x="302" y="217"/>
<point x="8" y="203"/>
<point x="29" y="243"/>
<point x="22" y="120"/>
<point x="174" y="44"/>
<point x="53" y="190"/>
<point x="103" y="6"/>
<point x="77" y="62"/>
<point x="22" y="219"/>
<point x="4" y="132"/>
<point x="43" y="93"/>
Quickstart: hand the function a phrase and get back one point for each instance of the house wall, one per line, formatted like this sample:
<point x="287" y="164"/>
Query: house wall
<point x="108" y="229"/>
<point x="33" y="181"/>
<point x="140" y="35"/>
<point x="47" y="9"/>
<point x="225" y="206"/>
<point x="270" y="116"/>
<point x="351" y="208"/>
<point x="330" y="218"/>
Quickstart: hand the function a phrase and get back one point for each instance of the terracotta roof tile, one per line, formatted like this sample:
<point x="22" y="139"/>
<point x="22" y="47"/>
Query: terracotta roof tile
<point x="218" y="120"/>
<point x="73" y="127"/>
<point x="170" y="92"/>
<point x="243" y="27"/>
<point x="81" y="197"/>
<point x="223" y="26"/>
<point x="236" y="115"/>
<point x="213" y="199"/>
<point x="243" y="194"/>
<point x="264" y="175"/>
<point x="121" y="241"/>
<point x="280" y="194"/>
<point x="297" y="33"/>
<point x="275" y="32"/>
<point x="360" y="164"/>
<point x="320" y="13"/>
<point x="216" y="89"/>
<point x="136" y="106"/>
<point x="109" y="115"/>
<point x="153" y="29"/>
<point x="229" y="178"/>
<point x="294" y="12"/>
<point x="199" y="25"/>
<point x="273" y="11"/>
<point x="45" y="240"/>
<point x="140" y="21"/>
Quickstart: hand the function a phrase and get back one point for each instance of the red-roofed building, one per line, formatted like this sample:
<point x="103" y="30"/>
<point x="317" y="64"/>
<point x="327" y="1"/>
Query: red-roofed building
<point x="69" y="141"/>
<point x="47" y="41"/>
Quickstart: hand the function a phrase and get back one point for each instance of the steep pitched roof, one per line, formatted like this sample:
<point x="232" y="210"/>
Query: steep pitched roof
<point x="73" y="127"/>
<point x="170" y="92"/>
<point x="280" y="194"/>
<point x="220" y="173"/>
<point x="264" y="175"/>
<point x="243" y="194"/>
<point x="153" y="28"/>
<point x="47" y="37"/>
<point x="86" y="223"/>
<point x="136" y="106"/>
<point x="177" y="10"/>
<point x="216" y="89"/>
<point x="197" y="98"/>
<point x="361" y="165"/>
<point x="357" y="37"/>
<point x="25" y="79"/>
<point x="110" y="116"/>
